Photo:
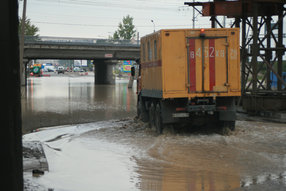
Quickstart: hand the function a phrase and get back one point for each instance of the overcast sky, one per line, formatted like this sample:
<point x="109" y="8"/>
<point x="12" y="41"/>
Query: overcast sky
<point x="100" y="18"/>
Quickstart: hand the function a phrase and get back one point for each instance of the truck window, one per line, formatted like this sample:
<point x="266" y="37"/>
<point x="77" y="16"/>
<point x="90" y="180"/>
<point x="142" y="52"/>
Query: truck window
<point x="149" y="51"/>
<point x="155" y="49"/>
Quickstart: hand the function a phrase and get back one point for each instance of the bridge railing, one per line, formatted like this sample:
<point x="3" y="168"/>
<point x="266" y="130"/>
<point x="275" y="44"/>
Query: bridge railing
<point x="79" y="41"/>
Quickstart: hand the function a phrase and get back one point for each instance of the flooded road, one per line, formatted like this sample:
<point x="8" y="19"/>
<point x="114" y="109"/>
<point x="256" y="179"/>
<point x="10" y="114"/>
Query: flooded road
<point x="73" y="99"/>
<point x="121" y="153"/>
<point x="127" y="155"/>
<point x="252" y="158"/>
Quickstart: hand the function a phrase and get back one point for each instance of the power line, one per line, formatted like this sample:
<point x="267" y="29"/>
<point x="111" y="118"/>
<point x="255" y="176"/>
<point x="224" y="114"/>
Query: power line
<point x="103" y="25"/>
<point x="96" y="17"/>
<point x="123" y="5"/>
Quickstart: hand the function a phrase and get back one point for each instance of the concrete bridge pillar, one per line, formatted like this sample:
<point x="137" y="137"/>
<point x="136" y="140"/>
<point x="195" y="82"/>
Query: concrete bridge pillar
<point x="103" y="71"/>
<point x="24" y="71"/>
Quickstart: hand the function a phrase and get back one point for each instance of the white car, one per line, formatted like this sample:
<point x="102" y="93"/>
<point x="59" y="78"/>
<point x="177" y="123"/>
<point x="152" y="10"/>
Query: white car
<point x="61" y="69"/>
<point x="78" y="69"/>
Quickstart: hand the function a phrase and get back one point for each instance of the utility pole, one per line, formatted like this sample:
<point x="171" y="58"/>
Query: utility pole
<point x="223" y="22"/>
<point x="138" y="39"/>
<point x="153" y="24"/>
<point x="22" y="65"/>
<point x="194" y="17"/>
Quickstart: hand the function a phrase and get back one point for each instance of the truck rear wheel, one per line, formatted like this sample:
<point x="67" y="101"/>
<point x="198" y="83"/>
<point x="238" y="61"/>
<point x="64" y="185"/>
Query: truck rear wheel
<point x="141" y="110"/>
<point x="227" y="125"/>
<point x="230" y="125"/>
<point x="158" y="120"/>
<point x="152" y="115"/>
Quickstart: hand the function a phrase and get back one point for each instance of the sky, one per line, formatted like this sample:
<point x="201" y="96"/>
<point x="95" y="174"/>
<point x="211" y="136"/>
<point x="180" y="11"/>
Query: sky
<point x="100" y="18"/>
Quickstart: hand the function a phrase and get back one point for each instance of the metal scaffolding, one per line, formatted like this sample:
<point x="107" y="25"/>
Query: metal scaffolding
<point x="263" y="82"/>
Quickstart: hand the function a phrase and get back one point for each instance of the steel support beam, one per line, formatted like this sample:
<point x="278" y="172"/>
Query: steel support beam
<point x="280" y="45"/>
<point x="254" y="48"/>
<point x="268" y="52"/>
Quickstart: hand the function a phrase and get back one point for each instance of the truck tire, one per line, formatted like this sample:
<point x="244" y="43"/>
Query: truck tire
<point x="230" y="125"/>
<point x="227" y="125"/>
<point x="151" y="116"/>
<point x="141" y="110"/>
<point x="158" y="120"/>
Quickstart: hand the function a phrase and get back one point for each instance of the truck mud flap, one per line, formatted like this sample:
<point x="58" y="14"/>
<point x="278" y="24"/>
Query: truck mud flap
<point x="227" y="115"/>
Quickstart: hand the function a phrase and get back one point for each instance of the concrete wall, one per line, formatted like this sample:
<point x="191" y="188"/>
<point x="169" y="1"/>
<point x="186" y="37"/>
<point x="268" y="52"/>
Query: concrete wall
<point x="253" y="103"/>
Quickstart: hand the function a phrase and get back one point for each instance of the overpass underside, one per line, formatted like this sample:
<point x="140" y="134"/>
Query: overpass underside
<point x="261" y="23"/>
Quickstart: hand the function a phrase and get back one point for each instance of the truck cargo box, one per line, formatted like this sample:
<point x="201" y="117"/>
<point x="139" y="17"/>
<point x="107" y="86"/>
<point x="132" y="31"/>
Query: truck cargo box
<point x="188" y="63"/>
<point x="189" y="75"/>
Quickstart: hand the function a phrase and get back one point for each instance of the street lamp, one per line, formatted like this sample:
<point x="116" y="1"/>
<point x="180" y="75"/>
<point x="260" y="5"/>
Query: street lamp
<point x="153" y="24"/>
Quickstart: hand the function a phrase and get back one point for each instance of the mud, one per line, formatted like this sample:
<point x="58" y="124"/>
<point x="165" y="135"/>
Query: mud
<point x="252" y="156"/>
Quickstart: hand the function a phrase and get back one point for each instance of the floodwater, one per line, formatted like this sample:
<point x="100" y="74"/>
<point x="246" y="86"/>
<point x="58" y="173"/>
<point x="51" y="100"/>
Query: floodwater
<point x="251" y="158"/>
<point x="73" y="99"/>
<point x="118" y="152"/>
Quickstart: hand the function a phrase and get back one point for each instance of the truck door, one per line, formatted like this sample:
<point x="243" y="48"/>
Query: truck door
<point x="207" y="64"/>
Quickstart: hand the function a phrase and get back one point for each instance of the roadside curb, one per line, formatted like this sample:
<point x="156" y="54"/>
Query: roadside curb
<point x="34" y="157"/>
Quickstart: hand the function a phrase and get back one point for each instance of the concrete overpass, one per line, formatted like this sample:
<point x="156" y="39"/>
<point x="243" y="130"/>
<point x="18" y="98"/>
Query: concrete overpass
<point x="80" y="48"/>
<point x="102" y="51"/>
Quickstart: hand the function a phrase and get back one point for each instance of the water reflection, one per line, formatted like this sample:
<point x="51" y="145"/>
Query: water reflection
<point x="184" y="175"/>
<point x="59" y="100"/>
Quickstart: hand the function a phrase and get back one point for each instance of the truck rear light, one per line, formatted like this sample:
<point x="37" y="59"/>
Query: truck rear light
<point x="222" y="108"/>
<point x="202" y="33"/>
<point x="180" y="109"/>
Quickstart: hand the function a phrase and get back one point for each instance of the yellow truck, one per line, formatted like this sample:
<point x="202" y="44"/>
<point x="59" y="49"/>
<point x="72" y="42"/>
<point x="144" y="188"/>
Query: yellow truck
<point x="189" y="75"/>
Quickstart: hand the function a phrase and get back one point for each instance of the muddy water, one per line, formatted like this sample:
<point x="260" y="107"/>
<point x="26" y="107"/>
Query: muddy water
<point x="251" y="158"/>
<point x="66" y="99"/>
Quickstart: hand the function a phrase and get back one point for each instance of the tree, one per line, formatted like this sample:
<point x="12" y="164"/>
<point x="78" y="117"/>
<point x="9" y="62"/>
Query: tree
<point x="30" y="29"/>
<point x="125" y="29"/>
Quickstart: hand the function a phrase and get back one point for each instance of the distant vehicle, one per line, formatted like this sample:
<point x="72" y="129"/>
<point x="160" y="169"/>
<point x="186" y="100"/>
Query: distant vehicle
<point x="78" y="69"/>
<point x="48" y="67"/>
<point x="36" y="70"/>
<point x="61" y="69"/>
<point x="45" y="69"/>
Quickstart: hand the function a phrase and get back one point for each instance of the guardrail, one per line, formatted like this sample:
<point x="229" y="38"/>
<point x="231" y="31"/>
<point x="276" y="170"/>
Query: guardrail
<point x="79" y="41"/>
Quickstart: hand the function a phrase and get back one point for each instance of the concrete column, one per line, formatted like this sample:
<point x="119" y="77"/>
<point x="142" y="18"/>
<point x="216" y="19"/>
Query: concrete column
<point x="103" y="71"/>
<point x="23" y="72"/>
<point x="11" y="124"/>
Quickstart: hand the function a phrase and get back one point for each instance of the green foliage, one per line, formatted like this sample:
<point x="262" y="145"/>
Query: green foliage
<point x="30" y="29"/>
<point x="125" y="29"/>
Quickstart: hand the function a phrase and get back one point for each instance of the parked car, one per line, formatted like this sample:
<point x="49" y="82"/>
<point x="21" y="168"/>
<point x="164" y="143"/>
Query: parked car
<point x="78" y="69"/>
<point x="61" y="69"/>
